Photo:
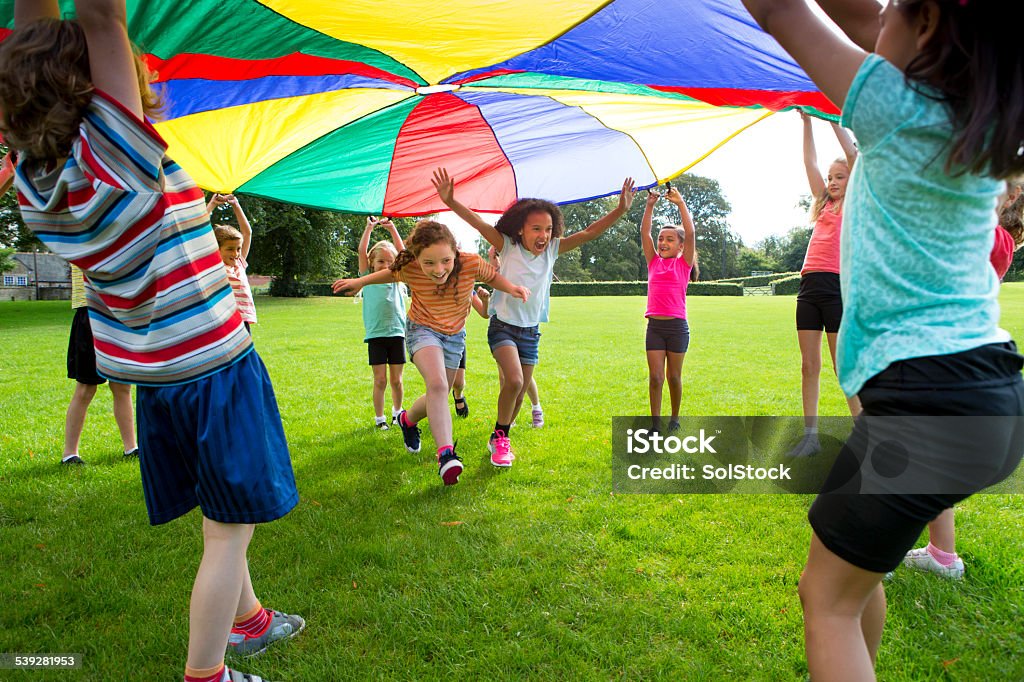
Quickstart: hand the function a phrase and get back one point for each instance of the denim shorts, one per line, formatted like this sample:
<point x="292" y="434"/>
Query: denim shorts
<point x="418" y="336"/>
<point x="525" y="339"/>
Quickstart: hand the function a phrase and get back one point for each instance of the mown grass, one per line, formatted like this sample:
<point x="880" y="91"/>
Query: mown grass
<point x="537" y="572"/>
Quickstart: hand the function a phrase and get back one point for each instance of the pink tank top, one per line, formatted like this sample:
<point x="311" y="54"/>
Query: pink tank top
<point x="666" y="287"/>
<point x="823" y="249"/>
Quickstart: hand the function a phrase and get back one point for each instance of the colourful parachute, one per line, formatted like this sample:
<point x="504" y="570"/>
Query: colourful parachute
<point x="350" y="105"/>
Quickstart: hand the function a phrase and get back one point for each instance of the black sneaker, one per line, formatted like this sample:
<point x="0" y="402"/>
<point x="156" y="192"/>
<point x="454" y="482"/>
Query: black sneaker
<point x="383" y="426"/>
<point x="462" y="411"/>
<point x="673" y="425"/>
<point x="134" y="454"/>
<point x="410" y="434"/>
<point x="449" y="466"/>
<point x="73" y="460"/>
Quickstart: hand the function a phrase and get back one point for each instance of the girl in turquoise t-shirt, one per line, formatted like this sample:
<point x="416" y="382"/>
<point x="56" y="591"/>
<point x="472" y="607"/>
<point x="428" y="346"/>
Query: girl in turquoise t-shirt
<point x="932" y="90"/>
<point x="384" y="320"/>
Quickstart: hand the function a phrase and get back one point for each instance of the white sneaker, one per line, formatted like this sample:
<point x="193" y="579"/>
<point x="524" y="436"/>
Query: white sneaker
<point x="922" y="560"/>
<point x="807" y="447"/>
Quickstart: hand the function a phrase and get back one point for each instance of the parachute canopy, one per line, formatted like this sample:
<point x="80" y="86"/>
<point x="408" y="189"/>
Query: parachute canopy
<point x="350" y="105"/>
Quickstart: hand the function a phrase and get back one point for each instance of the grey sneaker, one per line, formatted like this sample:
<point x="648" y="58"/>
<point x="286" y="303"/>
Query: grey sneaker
<point x="282" y="626"/>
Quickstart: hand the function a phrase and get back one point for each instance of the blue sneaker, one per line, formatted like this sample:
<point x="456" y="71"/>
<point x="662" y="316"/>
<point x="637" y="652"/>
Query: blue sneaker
<point x="282" y="626"/>
<point x="410" y="434"/>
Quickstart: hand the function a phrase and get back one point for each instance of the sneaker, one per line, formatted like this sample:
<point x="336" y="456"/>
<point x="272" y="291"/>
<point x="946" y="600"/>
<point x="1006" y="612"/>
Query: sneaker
<point x="73" y="460"/>
<point x="807" y="447"/>
<point x="464" y="410"/>
<point x="673" y="425"/>
<point x="394" y="417"/>
<point x="383" y="425"/>
<point x="538" y="418"/>
<point x="449" y="466"/>
<point x="501" y="450"/>
<point x="922" y="559"/>
<point x="237" y="676"/>
<point x="410" y="434"/>
<point x="134" y="454"/>
<point x="282" y="626"/>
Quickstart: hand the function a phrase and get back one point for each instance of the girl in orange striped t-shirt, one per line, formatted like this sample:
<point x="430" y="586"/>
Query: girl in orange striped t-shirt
<point x="440" y="278"/>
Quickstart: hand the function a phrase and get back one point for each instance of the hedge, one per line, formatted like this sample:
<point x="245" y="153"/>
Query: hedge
<point x="588" y="289"/>
<point x="760" y="280"/>
<point x="787" y="286"/>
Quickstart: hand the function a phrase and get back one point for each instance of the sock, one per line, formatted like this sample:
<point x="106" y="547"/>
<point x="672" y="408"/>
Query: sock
<point x="441" y="450"/>
<point x="504" y="428"/>
<point x="395" y="411"/>
<point x="380" y="419"/>
<point x="537" y="407"/>
<point x="403" y="419"/>
<point x="216" y="674"/>
<point x="67" y="457"/>
<point x="811" y="431"/>
<point x="254" y="623"/>
<point x="944" y="558"/>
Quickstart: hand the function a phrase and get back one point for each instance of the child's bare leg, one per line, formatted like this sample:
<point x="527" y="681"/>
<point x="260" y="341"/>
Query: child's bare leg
<point x="247" y="601"/>
<point x="380" y="382"/>
<point x="74" y="422"/>
<point x="942" y="532"/>
<point x="459" y="383"/>
<point x="531" y="390"/>
<point x="507" y="358"/>
<point x="674" y="376"/>
<point x="217" y="592"/>
<point x="656" y="379"/>
<point x="434" y="404"/>
<point x="527" y="382"/>
<point x="397" y="389"/>
<point x="810" y="371"/>
<point x="123" y="414"/>
<point x="853" y="402"/>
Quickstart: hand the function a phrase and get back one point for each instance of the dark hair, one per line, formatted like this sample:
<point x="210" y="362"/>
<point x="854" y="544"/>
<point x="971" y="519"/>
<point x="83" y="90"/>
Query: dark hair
<point x="426" y="233"/>
<point x="975" y="65"/>
<point x="513" y="220"/>
<point x="46" y="86"/>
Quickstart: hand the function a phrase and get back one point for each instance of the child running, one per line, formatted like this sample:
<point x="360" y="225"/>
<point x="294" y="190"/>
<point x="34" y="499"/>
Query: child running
<point x="479" y="302"/>
<point x="668" y="273"/>
<point x="819" y="303"/>
<point x="440" y="278"/>
<point x="920" y="334"/>
<point x="233" y="245"/>
<point x="95" y="184"/>
<point x="528" y="238"/>
<point x="383" y="319"/>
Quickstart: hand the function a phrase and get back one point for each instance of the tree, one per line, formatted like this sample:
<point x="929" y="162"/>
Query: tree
<point x="6" y="262"/>
<point x="13" y="232"/>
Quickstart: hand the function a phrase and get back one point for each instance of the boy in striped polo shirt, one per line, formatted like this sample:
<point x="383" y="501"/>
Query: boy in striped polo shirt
<point x="94" y="183"/>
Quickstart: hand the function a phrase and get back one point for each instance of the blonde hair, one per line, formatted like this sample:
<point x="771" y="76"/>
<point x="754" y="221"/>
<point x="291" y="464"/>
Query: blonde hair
<point x="822" y="199"/>
<point x="226" y="233"/>
<point x="382" y="245"/>
<point x="46" y="86"/>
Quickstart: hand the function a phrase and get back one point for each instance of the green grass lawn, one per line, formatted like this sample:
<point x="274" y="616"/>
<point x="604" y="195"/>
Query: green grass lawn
<point x="535" y="572"/>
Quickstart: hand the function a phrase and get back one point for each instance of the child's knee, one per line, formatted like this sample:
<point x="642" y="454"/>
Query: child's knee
<point x="380" y="383"/>
<point x="657" y="379"/>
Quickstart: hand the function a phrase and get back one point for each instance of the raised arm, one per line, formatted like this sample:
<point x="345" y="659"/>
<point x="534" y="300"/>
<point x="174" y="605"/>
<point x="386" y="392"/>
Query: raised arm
<point x="395" y="237"/>
<point x="243" y="225"/>
<point x="597" y="228"/>
<point x="827" y="58"/>
<point x="215" y="201"/>
<point x="645" y="226"/>
<point x="480" y="297"/>
<point x="364" y="245"/>
<point x="846" y="142"/>
<point x="858" y="19"/>
<point x="445" y="187"/>
<point x="111" y="61"/>
<point x="686" y="220"/>
<point x="352" y="286"/>
<point x="27" y="11"/>
<point x="814" y="179"/>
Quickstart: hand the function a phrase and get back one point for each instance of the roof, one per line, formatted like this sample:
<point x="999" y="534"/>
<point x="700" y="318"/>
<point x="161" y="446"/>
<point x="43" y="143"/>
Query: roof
<point x="52" y="268"/>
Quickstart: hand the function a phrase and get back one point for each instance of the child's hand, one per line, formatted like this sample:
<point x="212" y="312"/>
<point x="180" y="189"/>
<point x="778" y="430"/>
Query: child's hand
<point x="484" y="294"/>
<point x="345" y="286"/>
<point x="804" y="117"/>
<point x="219" y="199"/>
<point x="521" y="293"/>
<point x="370" y="222"/>
<point x="653" y="196"/>
<point x="386" y="223"/>
<point x="626" y="195"/>
<point x="444" y="185"/>
<point x="675" y="197"/>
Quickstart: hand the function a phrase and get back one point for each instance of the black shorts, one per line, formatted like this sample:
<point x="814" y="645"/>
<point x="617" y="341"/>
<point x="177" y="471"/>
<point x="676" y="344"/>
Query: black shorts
<point x="672" y="335"/>
<point x="462" y="362"/>
<point x="819" y="304"/>
<point x="81" y="351"/>
<point x="389" y="350"/>
<point x="874" y="531"/>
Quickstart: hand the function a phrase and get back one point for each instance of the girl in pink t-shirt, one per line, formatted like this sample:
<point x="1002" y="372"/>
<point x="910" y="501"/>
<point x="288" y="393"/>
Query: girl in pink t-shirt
<point x="669" y="266"/>
<point x="819" y="305"/>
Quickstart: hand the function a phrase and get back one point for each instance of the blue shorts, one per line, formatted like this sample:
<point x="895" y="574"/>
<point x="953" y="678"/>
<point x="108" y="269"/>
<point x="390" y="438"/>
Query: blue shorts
<point x="418" y="336"/>
<point x="525" y="339"/>
<point x="218" y="443"/>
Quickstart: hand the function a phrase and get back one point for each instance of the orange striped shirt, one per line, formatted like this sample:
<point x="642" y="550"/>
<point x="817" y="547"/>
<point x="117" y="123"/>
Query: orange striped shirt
<point x="444" y="309"/>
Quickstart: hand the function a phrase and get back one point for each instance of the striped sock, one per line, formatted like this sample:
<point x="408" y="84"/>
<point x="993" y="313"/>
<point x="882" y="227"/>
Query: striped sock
<point x="944" y="558"/>
<point x="215" y="674"/>
<point x="254" y="623"/>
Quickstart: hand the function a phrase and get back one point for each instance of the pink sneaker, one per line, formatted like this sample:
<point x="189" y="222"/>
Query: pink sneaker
<point x="501" y="450"/>
<point x="538" y="418"/>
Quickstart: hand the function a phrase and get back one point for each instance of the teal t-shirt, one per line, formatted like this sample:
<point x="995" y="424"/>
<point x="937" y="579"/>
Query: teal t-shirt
<point x="383" y="310"/>
<point x="914" y="251"/>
